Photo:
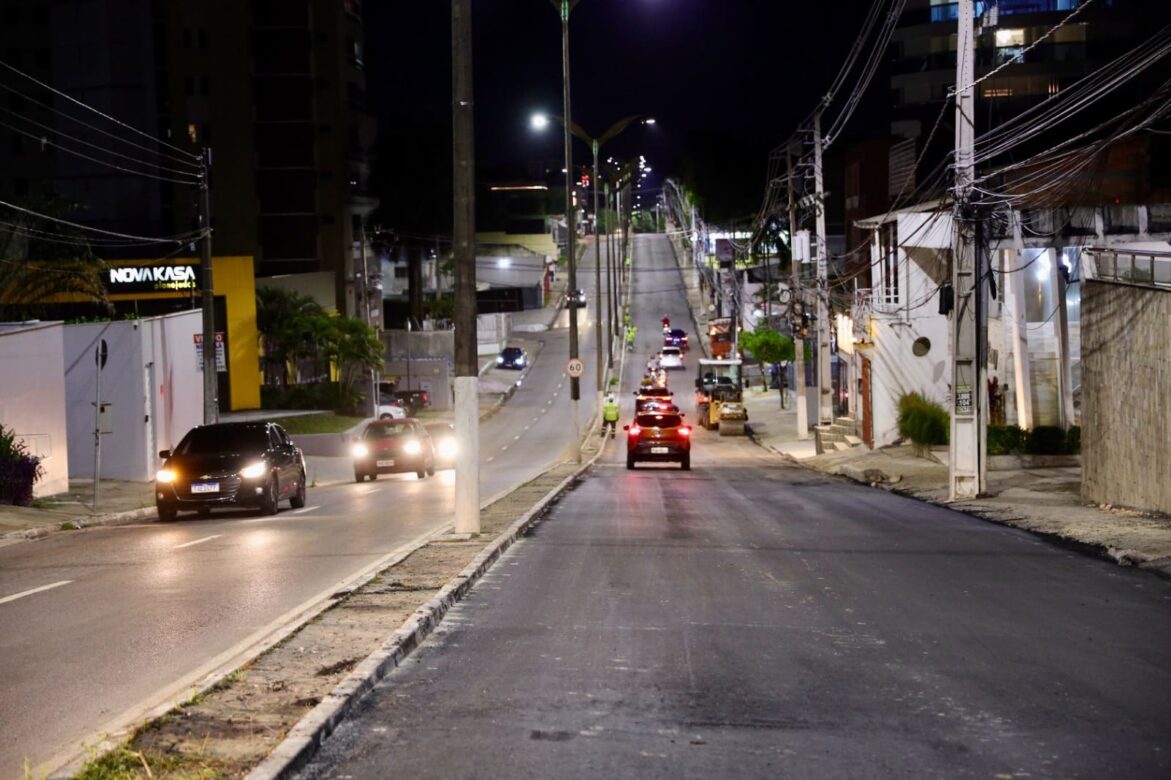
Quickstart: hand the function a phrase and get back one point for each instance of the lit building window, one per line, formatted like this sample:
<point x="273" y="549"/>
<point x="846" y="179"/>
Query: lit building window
<point x="193" y="133"/>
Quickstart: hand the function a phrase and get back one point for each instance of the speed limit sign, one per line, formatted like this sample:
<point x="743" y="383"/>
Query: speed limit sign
<point x="575" y="368"/>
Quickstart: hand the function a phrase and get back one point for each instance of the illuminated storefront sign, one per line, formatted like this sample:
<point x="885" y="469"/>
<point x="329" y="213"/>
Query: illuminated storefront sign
<point x="131" y="279"/>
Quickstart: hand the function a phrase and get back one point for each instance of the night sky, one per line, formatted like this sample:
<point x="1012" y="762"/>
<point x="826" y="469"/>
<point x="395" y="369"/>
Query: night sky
<point x="726" y="80"/>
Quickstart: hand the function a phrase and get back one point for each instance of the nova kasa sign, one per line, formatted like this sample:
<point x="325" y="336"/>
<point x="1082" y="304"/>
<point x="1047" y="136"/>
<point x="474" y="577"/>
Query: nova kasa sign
<point x="152" y="278"/>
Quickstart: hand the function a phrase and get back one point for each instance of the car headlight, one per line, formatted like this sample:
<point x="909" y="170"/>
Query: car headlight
<point x="520" y="361"/>
<point x="359" y="450"/>
<point x="412" y="447"/>
<point x="165" y="475"/>
<point x="499" y="359"/>
<point x="447" y="447"/>
<point x="253" y="470"/>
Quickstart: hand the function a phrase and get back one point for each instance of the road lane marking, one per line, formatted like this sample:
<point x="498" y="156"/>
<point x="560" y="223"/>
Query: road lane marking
<point x="490" y="458"/>
<point x="516" y="438"/>
<point x="197" y="541"/>
<point x="21" y="595"/>
<point x="303" y="510"/>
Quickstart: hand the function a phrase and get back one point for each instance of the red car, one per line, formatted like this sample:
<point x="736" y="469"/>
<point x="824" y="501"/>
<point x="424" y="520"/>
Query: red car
<point x="393" y="447"/>
<point x="658" y="437"/>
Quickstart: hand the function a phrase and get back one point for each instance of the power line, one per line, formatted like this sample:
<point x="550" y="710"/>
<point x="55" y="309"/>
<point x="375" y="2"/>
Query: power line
<point x="178" y="239"/>
<point x="88" y="107"/>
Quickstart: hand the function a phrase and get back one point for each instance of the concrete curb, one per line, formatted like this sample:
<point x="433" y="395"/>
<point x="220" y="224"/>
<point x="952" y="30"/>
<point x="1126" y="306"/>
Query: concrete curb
<point x="1158" y="567"/>
<point x="307" y="736"/>
<point x="81" y="522"/>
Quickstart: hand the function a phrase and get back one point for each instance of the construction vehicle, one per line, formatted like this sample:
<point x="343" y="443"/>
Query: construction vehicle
<point x="718" y="383"/>
<point x="719" y="333"/>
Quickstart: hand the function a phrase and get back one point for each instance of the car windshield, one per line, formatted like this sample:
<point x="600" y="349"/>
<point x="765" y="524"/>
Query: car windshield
<point x="671" y="352"/>
<point x="656" y="391"/>
<point x="677" y="333"/>
<point x="658" y="420"/>
<point x="511" y="352"/>
<point x="216" y="439"/>
<point x="388" y="430"/>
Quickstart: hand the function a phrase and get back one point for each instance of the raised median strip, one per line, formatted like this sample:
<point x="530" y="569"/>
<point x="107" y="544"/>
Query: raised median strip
<point x="266" y="715"/>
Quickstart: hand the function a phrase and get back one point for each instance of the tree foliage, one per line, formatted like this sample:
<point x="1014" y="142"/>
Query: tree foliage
<point x="767" y="345"/>
<point x="43" y="261"/>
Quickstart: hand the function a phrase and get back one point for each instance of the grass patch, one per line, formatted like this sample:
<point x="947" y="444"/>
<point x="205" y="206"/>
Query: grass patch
<point x="69" y="525"/>
<point x="326" y="422"/>
<point x="124" y="763"/>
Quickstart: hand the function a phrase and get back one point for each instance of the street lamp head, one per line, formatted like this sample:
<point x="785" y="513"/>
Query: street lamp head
<point x="539" y="121"/>
<point x="650" y="120"/>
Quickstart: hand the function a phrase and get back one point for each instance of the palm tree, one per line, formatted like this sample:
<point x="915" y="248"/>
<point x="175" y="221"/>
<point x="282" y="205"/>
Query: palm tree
<point x="43" y="261"/>
<point x="285" y="319"/>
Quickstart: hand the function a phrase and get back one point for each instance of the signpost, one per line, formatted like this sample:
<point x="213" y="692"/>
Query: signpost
<point x="221" y="361"/>
<point x="575" y="368"/>
<point x="101" y="353"/>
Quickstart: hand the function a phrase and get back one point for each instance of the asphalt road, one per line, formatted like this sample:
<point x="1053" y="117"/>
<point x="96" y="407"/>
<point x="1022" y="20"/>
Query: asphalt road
<point x="132" y="612"/>
<point x="753" y="619"/>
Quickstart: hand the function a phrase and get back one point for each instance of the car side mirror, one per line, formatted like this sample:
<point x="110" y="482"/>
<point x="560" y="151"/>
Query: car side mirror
<point x="164" y="454"/>
<point x="626" y="427"/>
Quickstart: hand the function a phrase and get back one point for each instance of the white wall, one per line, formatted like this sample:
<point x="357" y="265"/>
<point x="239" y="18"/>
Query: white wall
<point x="895" y="369"/>
<point x="152" y="382"/>
<point x="32" y="398"/>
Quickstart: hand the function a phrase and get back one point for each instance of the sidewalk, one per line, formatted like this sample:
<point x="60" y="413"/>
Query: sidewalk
<point x="1045" y="500"/>
<point x="121" y="502"/>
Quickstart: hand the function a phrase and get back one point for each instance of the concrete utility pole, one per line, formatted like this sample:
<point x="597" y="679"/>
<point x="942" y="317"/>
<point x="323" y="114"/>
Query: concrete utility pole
<point x="600" y="362"/>
<point x="1015" y="296"/>
<point x="609" y="275"/>
<point x="362" y="294"/>
<point x="797" y="295"/>
<point x="211" y="408"/>
<point x="467" y="424"/>
<point x="825" y="401"/>
<point x="565" y="6"/>
<point x="967" y="475"/>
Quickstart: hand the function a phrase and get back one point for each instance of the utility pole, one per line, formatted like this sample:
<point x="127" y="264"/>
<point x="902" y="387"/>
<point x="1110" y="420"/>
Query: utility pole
<point x="363" y="301"/>
<point x="570" y="224"/>
<point x="609" y="278"/>
<point x="467" y="430"/>
<point x="211" y="412"/>
<point x="825" y="404"/>
<point x="600" y="364"/>
<point x="797" y="295"/>
<point x="967" y="475"/>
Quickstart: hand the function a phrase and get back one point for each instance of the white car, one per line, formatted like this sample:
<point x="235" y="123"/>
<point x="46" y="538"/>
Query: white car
<point x="391" y="412"/>
<point x="672" y="357"/>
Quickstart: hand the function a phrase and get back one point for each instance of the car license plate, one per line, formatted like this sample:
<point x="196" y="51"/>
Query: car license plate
<point x="660" y="450"/>
<point x="205" y="487"/>
<point x="385" y="464"/>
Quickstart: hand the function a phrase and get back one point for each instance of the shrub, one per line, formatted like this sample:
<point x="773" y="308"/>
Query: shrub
<point x="18" y="470"/>
<point x="1046" y="440"/>
<point x="922" y="420"/>
<point x="1005" y="439"/>
<point x="316" y="395"/>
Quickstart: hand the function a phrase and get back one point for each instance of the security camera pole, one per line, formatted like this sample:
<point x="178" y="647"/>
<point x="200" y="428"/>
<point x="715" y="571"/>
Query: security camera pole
<point x="467" y="432"/>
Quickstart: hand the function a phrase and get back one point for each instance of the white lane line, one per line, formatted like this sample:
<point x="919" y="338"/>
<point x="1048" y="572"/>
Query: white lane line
<point x="490" y="459"/>
<point x="197" y="541"/>
<point x="369" y="490"/>
<point x="530" y="425"/>
<point x="21" y="595"/>
<point x="516" y="438"/>
<point x="502" y="449"/>
<point x="303" y="510"/>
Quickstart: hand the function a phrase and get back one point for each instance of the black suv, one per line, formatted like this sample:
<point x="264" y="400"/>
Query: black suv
<point x="249" y="464"/>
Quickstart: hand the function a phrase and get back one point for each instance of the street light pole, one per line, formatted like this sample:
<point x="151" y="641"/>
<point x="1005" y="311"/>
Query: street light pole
<point x="570" y="227"/>
<point x="597" y="277"/>
<point x="609" y="276"/>
<point x="211" y="408"/>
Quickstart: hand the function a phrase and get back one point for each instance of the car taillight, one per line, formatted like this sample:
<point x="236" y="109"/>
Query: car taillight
<point x="425" y="396"/>
<point x="684" y="431"/>
<point x="635" y="430"/>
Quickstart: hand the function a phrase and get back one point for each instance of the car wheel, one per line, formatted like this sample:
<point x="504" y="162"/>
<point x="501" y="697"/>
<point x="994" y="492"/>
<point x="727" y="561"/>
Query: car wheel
<point x="167" y="514"/>
<point x="359" y="476"/>
<point x="373" y="475"/>
<point x="268" y="506"/>
<point x="422" y="474"/>
<point x="629" y="462"/>
<point x="686" y="463"/>
<point x="297" y="500"/>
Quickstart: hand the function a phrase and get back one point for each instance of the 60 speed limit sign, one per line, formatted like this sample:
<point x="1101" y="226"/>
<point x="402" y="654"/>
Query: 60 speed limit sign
<point x="575" y="368"/>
